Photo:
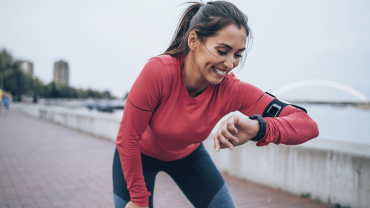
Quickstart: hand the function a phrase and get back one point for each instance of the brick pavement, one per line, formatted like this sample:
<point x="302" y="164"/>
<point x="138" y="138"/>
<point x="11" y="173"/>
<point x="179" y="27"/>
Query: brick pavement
<point x="45" y="165"/>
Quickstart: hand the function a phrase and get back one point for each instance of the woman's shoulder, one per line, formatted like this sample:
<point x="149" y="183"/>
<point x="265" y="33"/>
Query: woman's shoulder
<point x="165" y="65"/>
<point x="232" y="83"/>
<point x="168" y="60"/>
<point x="157" y="66"/>
<point x="229" y="80"/>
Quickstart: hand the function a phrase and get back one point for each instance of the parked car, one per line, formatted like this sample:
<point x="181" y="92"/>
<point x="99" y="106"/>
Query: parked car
<point x="110" y="105"/>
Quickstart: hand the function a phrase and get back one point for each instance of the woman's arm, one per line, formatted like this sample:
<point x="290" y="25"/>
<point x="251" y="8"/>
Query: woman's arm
<point x="143" y="98"/>
<point x="293" y="126"/>
<point x="296" y="127"/>
<point x="133" y="124"/>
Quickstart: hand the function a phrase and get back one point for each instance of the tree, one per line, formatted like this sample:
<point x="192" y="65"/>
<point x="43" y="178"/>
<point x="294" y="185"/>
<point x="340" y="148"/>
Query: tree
<point x="13" y="78"/>
<point x="38" y="87"/>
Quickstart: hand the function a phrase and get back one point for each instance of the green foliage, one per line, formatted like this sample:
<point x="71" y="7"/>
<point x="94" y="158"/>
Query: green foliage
<point x="12" y="77"/>
<point x="18" y="83"/>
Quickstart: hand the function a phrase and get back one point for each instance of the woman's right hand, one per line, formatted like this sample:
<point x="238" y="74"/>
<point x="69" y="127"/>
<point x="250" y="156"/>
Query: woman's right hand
<point x="235" y="131"/>
<point x="132" y="205"/>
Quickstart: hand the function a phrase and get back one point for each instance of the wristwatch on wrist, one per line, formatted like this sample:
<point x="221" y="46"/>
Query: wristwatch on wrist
<point x="262" y="131"/>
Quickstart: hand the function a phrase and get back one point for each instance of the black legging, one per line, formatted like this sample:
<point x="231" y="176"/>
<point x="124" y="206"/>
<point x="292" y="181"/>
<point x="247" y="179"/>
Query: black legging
<point x="196" y="175"/>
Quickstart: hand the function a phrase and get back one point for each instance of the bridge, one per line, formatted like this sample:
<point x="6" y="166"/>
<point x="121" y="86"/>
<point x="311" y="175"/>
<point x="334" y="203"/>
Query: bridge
<point x="321" y="92"/>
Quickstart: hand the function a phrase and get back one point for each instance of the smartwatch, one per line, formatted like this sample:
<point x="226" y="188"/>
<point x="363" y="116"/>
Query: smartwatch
<point x="262" y="131"/>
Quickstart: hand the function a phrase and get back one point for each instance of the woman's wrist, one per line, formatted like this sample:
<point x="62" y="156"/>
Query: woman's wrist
<point x="255" y="127"/>
<point x="248" y="126"/>
<point x="130" y="204"/>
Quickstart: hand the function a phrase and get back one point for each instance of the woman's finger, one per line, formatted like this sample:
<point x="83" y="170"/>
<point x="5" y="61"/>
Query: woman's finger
<point x="222" y="139"/>
<point x="226" y="142"/>
<point x="227" y="134"/>
<point x="222" y="146"/>
<point x="231" y="124"/>
<point x="216" y="144"/>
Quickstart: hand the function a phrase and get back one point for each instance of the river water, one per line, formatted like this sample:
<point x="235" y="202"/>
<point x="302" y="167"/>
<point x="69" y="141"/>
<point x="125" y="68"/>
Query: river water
<point x="341" y="123"/>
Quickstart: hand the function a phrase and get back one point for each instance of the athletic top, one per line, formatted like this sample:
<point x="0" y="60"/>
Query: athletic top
<point x="161" y="120"/>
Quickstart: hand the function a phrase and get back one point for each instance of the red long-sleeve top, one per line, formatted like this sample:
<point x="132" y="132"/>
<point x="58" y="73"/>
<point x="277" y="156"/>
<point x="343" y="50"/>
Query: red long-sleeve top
<point x="162" y="121"/>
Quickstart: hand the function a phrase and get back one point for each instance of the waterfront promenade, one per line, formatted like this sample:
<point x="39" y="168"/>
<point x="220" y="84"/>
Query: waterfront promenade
<point x="45" y="165"/>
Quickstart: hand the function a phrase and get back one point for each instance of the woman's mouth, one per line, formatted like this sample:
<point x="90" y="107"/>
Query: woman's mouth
<point x="219" y="72"/>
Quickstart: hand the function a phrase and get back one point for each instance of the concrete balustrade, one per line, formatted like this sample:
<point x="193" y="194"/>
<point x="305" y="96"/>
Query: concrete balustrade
<point x="102" y="125"/>
<point x="328" y="171"/>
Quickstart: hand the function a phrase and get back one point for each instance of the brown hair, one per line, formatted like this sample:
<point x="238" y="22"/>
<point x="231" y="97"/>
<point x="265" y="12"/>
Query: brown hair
<point x="205" y="20"/>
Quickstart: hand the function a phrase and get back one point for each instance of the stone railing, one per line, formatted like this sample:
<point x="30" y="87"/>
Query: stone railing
<point x="98" y="124"/>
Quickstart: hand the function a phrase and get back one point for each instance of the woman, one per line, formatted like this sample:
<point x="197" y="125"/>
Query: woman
<point x="177" y="100"/>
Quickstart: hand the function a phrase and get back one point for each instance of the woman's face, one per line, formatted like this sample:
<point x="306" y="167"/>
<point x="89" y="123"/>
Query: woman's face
<point x="218" y="55"/>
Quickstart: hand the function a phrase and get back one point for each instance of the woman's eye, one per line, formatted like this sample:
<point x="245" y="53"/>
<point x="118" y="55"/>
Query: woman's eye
<point x="222" y="52"/>
<point x="238" y="55"/>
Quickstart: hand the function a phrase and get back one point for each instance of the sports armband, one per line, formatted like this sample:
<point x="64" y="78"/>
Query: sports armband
<point x="276" y="106"/>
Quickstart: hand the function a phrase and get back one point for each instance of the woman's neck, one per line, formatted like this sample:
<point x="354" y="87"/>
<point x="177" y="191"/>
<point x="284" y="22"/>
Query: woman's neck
<point x="194" y="81"/>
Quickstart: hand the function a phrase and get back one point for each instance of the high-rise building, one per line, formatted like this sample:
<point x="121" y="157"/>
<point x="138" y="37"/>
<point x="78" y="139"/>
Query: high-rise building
<point x="61" y="72"/>
<point x="27" y="67"/>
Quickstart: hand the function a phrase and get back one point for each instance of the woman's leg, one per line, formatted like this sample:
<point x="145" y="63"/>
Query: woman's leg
<point x="200" y="181"/>
<point x="151" y="167"/>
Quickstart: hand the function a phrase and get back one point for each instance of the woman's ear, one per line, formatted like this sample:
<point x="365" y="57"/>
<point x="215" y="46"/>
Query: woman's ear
<point x="193" y="41"/>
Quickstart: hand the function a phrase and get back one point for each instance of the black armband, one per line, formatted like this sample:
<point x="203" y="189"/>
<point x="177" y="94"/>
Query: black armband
<point x="276" y="106"/>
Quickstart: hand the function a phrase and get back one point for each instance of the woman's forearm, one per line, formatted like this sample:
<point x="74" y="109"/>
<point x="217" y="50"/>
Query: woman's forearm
<point x="296" y="127"/>
<point x="292" y="127"/>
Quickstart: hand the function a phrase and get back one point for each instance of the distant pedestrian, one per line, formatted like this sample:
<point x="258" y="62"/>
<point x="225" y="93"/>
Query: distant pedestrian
<point x="1" y="98"/>
<point x="6" y="100"/>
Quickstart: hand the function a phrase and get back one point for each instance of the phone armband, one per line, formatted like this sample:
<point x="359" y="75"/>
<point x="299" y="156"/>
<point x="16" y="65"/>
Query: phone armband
<point x="276" y="106"/>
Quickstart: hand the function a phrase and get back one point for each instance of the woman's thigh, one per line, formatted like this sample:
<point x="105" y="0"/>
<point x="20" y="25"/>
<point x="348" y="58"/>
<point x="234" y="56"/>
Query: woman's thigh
<point x="200" y="181"/>
<point x="120" y="191"/>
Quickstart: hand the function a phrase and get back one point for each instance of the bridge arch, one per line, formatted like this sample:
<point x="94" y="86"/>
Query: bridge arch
<point x="320" y="82"/>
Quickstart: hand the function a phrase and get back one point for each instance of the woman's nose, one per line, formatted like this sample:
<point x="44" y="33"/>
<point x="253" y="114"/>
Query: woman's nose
<point x="229" y="63"/>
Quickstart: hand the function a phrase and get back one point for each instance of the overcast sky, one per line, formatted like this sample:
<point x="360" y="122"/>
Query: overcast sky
<point x="106" y="43"/>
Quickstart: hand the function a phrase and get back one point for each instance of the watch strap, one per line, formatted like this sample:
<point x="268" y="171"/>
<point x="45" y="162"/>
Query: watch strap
<point x="262" y="131"/>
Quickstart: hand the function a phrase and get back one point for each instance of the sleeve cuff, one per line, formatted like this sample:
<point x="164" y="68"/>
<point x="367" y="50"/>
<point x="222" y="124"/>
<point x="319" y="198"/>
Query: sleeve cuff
<point x="141" y="201"/>
<point x="267" y="139"/>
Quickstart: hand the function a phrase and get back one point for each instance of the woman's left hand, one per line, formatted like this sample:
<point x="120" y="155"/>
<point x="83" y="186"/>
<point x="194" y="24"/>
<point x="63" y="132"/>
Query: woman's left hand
<point x="235" y="131"/>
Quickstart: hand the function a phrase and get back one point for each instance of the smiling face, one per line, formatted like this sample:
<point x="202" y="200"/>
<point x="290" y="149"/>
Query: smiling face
<point x="218" y="55"/>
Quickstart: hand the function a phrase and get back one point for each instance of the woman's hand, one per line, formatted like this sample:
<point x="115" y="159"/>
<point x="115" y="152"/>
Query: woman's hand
<point x="235" y="131"/>
<point x="132" y="205"/>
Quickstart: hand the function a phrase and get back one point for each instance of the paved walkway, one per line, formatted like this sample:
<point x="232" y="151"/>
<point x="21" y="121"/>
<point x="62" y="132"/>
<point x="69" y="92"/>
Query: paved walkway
<point x="45" y="165"/>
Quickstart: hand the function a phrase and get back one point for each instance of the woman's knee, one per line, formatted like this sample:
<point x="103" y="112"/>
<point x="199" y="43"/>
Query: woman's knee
<point x="222" y="199"/>
<point x="120" y="191"/>
<point x="119" y="202"/>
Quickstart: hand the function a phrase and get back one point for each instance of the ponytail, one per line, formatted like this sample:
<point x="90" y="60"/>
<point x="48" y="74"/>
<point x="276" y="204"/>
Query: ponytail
<point x="205" y="20"/>
<point x="178" y="45"/>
